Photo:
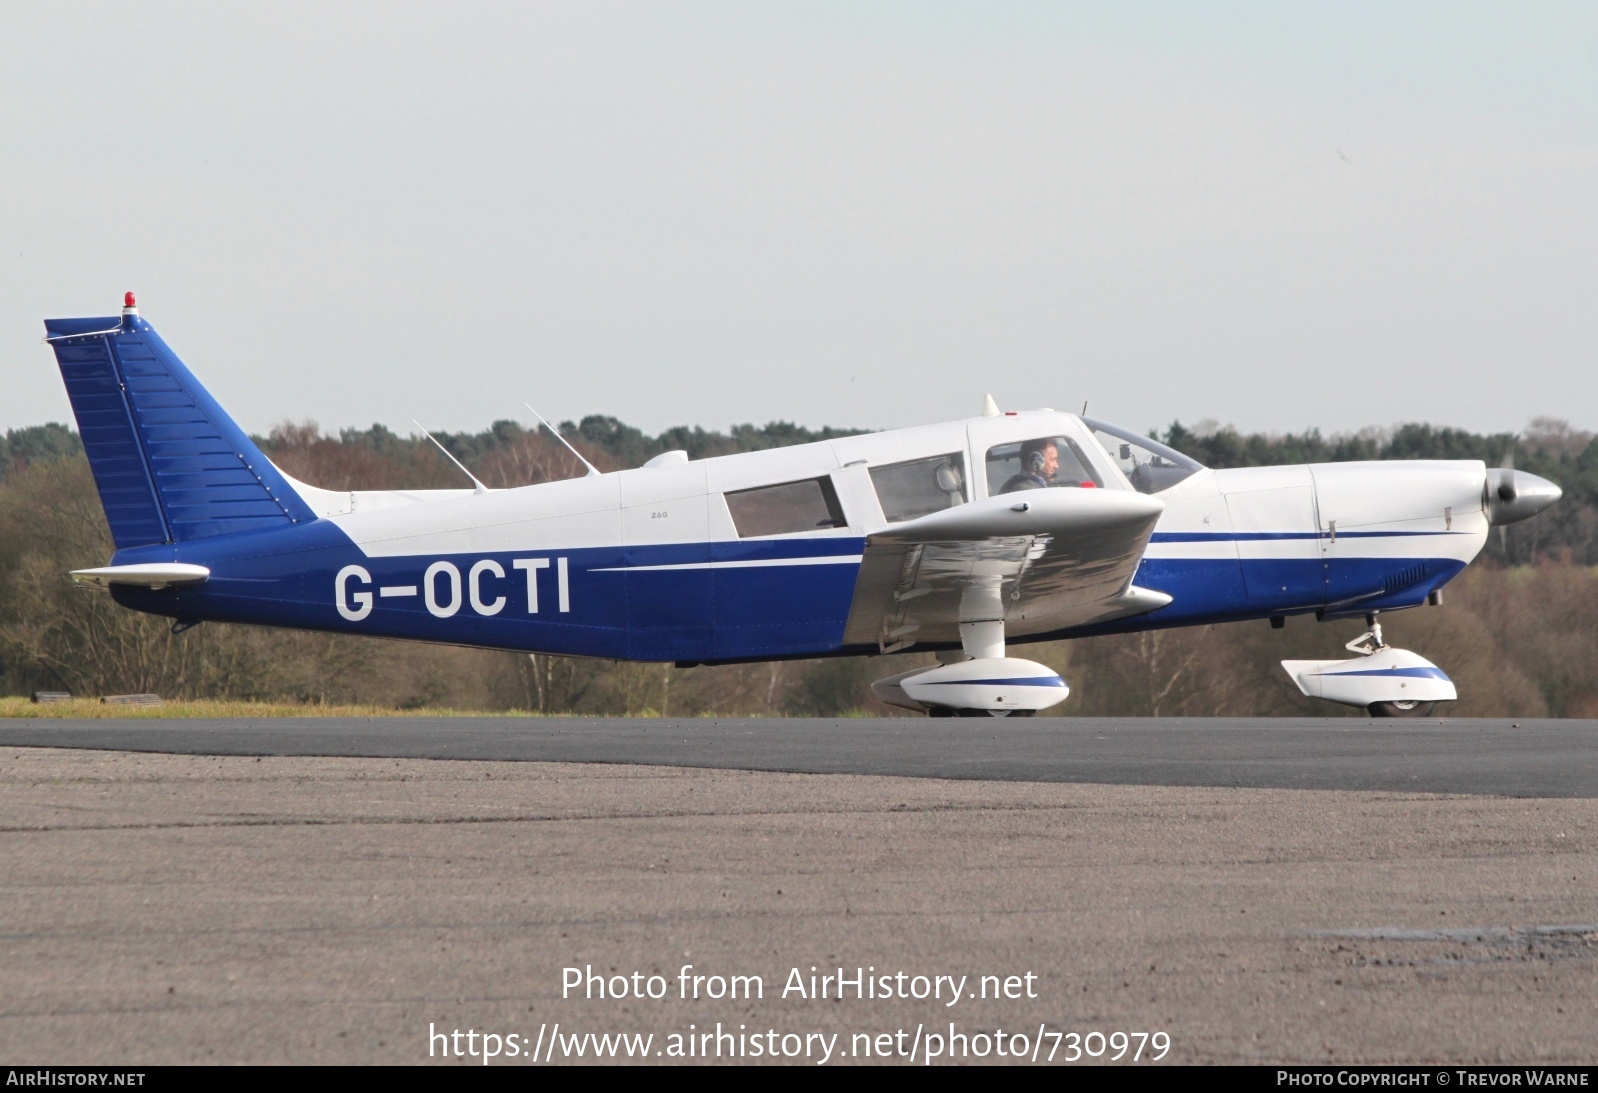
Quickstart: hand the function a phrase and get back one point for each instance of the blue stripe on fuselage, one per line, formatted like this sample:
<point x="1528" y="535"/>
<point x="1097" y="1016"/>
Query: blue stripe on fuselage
<point x="730" y="612"/>
<point x="1272" y="536"/>
<point x="620" y="610"/>
<point x="1205" y="590"/>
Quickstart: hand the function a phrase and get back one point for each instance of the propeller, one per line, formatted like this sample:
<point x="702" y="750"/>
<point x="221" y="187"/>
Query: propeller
<point x="1506" y="494"/>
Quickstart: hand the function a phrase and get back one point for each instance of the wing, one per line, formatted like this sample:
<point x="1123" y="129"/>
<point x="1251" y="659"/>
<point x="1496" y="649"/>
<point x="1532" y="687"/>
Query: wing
<point x="1043" y="560"/>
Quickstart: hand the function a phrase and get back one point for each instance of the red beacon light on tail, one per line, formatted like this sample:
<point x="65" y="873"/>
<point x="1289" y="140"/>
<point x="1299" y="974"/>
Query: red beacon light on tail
<point x="130" y="306"/>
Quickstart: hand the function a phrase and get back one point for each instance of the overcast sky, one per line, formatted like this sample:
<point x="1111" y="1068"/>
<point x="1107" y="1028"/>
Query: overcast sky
<point x="1275" y="215"/>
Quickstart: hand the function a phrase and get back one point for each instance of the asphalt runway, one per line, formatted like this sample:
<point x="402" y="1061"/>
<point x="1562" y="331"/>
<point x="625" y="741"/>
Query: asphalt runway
<point x="324" y="891"/>
<point x="1526" y="758"/>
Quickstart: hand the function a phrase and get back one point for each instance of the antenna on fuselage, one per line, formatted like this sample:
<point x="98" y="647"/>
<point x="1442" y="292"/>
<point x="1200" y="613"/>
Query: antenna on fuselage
<point x="478" y="487"/>
<point x="592" y="470"/>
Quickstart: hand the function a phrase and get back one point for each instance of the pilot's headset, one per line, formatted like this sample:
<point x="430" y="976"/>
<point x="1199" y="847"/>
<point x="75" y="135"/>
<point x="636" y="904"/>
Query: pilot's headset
<point x="1033" y="458"/>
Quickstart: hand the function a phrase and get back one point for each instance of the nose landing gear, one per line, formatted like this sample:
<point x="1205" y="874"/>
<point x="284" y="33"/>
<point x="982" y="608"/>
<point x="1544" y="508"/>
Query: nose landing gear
<point x="1401" y="709"/>
<point x="1383" y="680"/>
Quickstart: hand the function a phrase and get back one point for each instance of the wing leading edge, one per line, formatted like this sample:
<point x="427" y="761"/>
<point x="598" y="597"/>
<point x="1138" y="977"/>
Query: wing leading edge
<point x="1042" y="560"/>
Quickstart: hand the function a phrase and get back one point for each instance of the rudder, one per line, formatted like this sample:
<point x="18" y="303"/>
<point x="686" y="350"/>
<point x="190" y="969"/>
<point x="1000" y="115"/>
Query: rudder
<point x="170" y="464"/>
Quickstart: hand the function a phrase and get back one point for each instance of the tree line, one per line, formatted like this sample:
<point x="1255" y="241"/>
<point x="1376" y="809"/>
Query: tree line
<point x="1518" y="632"/>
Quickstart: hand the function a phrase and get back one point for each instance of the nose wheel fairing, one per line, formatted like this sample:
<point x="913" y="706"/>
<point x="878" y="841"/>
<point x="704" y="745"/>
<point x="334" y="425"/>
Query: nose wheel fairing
<point x="1386" y="681"/>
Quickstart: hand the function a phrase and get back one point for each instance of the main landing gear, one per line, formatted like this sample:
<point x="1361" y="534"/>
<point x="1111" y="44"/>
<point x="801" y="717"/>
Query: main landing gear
<point x="1383" y="680"/>
<point x="979" y="680"/>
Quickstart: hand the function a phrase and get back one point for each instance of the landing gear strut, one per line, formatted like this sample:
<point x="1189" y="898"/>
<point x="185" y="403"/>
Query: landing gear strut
<point x="1370" y="641"/>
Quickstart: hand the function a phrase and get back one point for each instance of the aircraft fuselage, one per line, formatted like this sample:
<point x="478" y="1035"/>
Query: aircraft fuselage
<point x="692" y="561"/>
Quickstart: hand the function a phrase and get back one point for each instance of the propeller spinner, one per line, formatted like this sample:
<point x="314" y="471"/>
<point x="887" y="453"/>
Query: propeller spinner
<point x="1513" y="496"/>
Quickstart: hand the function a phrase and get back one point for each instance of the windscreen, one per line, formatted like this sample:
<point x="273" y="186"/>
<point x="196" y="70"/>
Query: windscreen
<point x="1149" y="465"/>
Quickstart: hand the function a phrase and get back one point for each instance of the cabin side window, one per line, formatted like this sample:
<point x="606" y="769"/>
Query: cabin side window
<point x="786" y="509"/>
<point x="1038" y="464"/>
<point x="920" y="487"/>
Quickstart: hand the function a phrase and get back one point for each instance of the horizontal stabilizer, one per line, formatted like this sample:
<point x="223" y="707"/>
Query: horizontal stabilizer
<point x="144" y="575"/>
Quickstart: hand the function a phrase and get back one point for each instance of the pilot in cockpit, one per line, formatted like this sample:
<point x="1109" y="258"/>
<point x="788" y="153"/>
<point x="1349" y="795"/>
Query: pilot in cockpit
<point x="1040" y="462"/>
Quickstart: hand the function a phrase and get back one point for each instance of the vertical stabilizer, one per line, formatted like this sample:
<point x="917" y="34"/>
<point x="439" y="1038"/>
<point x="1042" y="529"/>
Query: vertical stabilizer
<point x="170" y="464"/>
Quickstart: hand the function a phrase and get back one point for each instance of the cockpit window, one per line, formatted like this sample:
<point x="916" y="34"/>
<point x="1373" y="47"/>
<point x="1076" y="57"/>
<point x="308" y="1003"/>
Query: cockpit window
<point x="1037" y="464"/>
<point x="920" y="487"/>
<point x="1149" y="465"/>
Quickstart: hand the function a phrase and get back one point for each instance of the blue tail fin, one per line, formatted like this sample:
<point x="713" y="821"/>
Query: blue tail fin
<point x="170" y="464"/>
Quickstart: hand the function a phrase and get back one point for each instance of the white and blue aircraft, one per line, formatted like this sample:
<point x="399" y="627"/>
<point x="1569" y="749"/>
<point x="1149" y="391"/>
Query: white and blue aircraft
<point x="962" y="539"/>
